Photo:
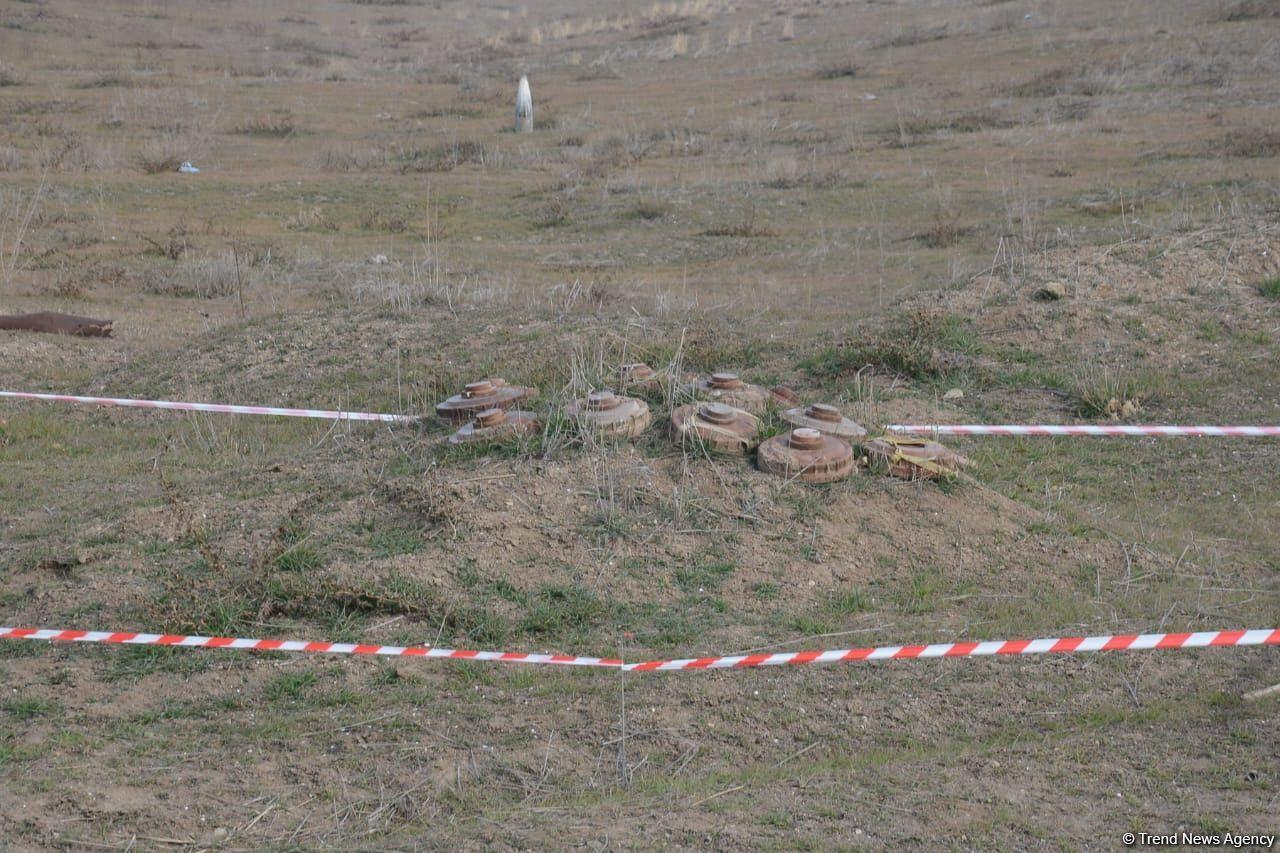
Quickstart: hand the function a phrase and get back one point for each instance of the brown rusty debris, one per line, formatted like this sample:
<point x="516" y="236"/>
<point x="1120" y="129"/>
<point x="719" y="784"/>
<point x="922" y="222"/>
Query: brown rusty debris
<point x="56" y="324"/>
<point x="496" y="425"/>
<point x="806" y="454"/>
<point x="482" y="395"/>
<point x="719" y="426"/>
<point x="825" y="419"/>
<point x="729" y="389"/>
<point x="606" y="413"/>
<point x="912" y="458"/>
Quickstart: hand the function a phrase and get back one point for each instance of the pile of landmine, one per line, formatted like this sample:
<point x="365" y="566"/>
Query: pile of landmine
<point x="819" y="448"/>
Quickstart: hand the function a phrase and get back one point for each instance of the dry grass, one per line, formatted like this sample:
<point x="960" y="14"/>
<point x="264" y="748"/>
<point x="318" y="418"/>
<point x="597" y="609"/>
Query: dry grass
<point x="1253" y="143"/>
<point x="718" y="188"/>
<point x="158" y="158"/>
<point x="279" y="126"/>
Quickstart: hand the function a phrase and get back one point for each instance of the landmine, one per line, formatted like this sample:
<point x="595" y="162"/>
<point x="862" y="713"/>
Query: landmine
<point x="912" y="458"/>
<point x="807" y="455"/>
<point x="482" y="395"/>
<point x="727" y="388"/>
<point x="717" y="425"/>
<point x="496" y="425"/>
<point x="781" y="395"/>
<point x="606" y="413"/>
<point x="639" y="377"/>
<point x="826" y="420"/>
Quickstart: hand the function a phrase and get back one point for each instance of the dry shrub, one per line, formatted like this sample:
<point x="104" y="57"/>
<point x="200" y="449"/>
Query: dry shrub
<point x="1108" y="393"/>
<point x="314" y="219"/>
<point x="649" y="208"/>
<point x="352" y="161"/>
<point x="945" y="231"/>
<point x="1247" y="10"/>
<point x="155" y="163"/>
<point x="444" y="157"/>
<point x="277" y="126"/>
<point x="555" y="211"/>
<point x="747" y="227"/>
<point x="908" y="36"/>
<point x="1070" y="80"/>
<point x="837" y="72"/>
<point x="10" y="158"/>
<point x="171" y="246"/>
<point x="609" y="152"/>
<point x="391" y="221"/>
<point x="782" y="173"/>
<point x="159" y="156"/>
<point x="107" y="81"/>
<point x="1252" y="142"/>
<point x="211" y="276"/>
<point x="596" y="72"/>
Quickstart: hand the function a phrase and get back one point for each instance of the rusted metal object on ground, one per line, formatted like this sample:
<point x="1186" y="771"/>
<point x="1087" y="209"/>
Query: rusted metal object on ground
<point x="56" y="324"/>
<point x="825" y="419"/>
<point x="727" y="388"/>
<point x="640" y="377"/>
<point x="482" y="395"/>
<point x="807" y="455"/>
<point x="781" y="395"/>
<point x="606" y="413"/>
<point x="718" y="425"/>
<point x="496" y="425"/>
<point x="914" y="458"/>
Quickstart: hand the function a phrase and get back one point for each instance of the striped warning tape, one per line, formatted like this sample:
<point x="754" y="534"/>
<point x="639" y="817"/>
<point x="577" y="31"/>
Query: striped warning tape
<point x="916" y="429"/>
<point x="220" y="408"/>
<point x="1082" y="429"/>
<point x="1060" y="645"/>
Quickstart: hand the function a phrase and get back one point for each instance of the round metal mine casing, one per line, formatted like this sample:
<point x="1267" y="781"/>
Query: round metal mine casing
<point x="639" y="377"/>
<point x="825" y="419"/>
<point x="912" y="458"/>
<point x="496" y="425"/>
<point x="607" y="413"/>
<point x="781" y="395"/>
<point x="729" y="389"/>
<point x="807" y="455"/>
<point x="482" y="395"/>
<point x="719" y="426"/>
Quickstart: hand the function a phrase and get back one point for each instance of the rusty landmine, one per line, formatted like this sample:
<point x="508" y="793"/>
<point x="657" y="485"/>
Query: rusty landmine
<point x="807" y="455"/>
<point x="482" y="395"/>
<point x="719" y="426"/>
<point x="781" y="395"/>
<point x="607" y="413"/>
<point x="639" y="377"/>
<point x="497" y="425"/>
<point x="56" y="324"/>
<point x="729" y="389"/>
<point x="826" y="420"/>
<point x="913" y="458"/>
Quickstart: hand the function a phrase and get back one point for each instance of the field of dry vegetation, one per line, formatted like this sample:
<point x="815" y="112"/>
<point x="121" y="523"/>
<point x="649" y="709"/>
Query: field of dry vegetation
<point x="865" y="201"/>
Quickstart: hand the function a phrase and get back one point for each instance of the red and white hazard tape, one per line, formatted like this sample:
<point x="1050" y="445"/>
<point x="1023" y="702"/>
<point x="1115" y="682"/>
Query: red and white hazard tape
<point x="1083" y="429"/>
<point x="1061" y="645"/>
<point x="220" y="408"/>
